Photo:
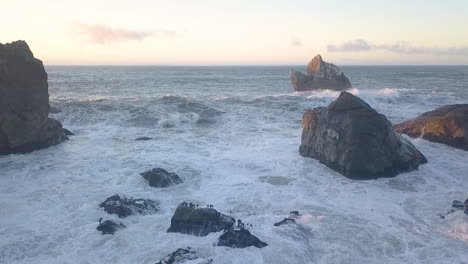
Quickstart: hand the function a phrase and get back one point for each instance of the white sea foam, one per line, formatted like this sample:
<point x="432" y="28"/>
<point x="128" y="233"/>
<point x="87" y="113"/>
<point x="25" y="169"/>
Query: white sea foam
<point x="246" y="164"/>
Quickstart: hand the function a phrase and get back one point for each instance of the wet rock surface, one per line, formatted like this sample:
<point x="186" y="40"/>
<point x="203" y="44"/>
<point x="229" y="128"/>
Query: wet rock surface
<point x="184" y="255"/>
<point x="447" y="125"/>
<point x="24" y="102"/>
<point x="124" y="207"/>
<point x="109" y="227"/>
<point x="190" y="219"/>
<point x="240" y="238"/>
<point x="158" y="177"/>
<point x="350" y="137"/>
<point x="143" y="138"/>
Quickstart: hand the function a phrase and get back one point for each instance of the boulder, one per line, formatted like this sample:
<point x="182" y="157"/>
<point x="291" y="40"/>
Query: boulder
<point x="124" y="207"/>
<point x="189" y="219"/>
<point x="240" y="238"/>
<point x="109" y="227"/>
<point x="352" y="138"/>
<point x="457" y="206"/>
<point x="320" y="75"/>
<point x="158" y="177"/>
<point x="24" y="102"/>
<point x="447" y="125"/>
<point x="184" y="255"/>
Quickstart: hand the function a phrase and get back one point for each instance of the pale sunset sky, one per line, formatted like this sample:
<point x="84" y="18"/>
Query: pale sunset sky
<point x="242" y="32"/>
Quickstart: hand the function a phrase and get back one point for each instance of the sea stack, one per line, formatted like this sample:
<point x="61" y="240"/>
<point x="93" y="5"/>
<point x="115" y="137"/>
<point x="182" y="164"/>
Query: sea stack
<point x="447" y="125"/>
<point x="352" y="138"/>
<point x="320" y="75"/>
<point x="24" y="102"/>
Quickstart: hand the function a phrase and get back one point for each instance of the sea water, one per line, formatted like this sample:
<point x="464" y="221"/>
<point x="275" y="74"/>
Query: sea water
<point x="232" y="134"/>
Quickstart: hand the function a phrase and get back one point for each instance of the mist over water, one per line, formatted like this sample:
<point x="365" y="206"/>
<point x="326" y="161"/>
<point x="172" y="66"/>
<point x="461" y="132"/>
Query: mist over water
<point x="232" y="134"/>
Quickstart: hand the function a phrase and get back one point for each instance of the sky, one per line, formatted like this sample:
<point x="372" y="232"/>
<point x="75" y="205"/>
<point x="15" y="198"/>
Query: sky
<point x="241" y="32"/>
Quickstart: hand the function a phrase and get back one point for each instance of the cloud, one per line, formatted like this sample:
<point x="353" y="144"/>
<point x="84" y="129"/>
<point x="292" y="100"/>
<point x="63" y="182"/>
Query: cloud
<point x="400" y="47"/>
<point x="102" y="34"/>
<point x="351" y="46"/>
<point x="296" y="42"/>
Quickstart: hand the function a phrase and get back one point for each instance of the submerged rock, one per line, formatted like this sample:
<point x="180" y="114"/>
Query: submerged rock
<point x="68" y="132"/>
<point x="143" y="138"/>
<point x="24" y="102"/>
<point x="158" y="177"/>
<point x="109" y="227"/>
<point x="184" y="255"/>
<point x="457" y="206"/>
<point x="196" y="221"/>
<point x="124" y="207"/>
<point x="293" y="215"/>
<point x="320" y="75"/>
<point x="352" y="138"/>
<point x="240" y="238"/>
<point x="447" y="125"/>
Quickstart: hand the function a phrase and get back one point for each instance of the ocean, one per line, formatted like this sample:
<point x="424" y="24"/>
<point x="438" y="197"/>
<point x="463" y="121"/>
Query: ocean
<point x="232" y="134"/>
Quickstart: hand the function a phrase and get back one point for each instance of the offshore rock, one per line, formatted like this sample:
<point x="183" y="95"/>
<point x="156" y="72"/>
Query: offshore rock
<point x="352" y="138"/>
<point x="189" y="219"/>
<point x="320" y="75"/>
<point x="109" y="227"/>
<point x="24" y="102"/>
<point x="124" y="207"/>
<point x="184" y="255"/>
<point x="240" y="238"/>
<point x="447" y="125"/>
<point x="158" y="177"/>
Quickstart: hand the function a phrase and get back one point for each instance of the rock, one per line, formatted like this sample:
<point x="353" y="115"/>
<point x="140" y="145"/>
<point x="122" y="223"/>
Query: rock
<point x="124" y="207"/>
<point x="158" y="177"/>
<point x="447" y="125"/>
<point x="184" y="255"/>
<point x="352" y="138"/>
<point x="143" y="138"/>
<point x="456" y="206"/>
<point x="240" y="238"/>
<point x="285" y="221"/>
<point x="293" y="215"/>
<point x="68" y="132"/>
<point x="109" y="227"/>
<point x="320" y="75"/>
<point x="24" y="102"/>
<point x="199" y="221"/>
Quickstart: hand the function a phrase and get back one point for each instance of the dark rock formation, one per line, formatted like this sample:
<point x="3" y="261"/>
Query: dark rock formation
<point x="184" y="255"/>
<point x="447" y="125"/>
<point x="293" y="215"/>
<point x="143" y="138"/>
<point x="352" y="138"/>
<point x="124" y="207"/>
<point x="457" y="206"/>
<point x="320" y="75"/>
<point x="158" y="177"/>
<point x="285" y="221"/>
<point x="199" y="221"/>
<point x="109" y="227"/>
<point x="68" y="132"/>
<point x="240" y="238"/>
<point x="24" y="102"/>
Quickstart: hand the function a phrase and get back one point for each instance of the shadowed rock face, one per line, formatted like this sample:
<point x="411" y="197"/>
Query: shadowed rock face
<point x="24" y="102"/>
<point x="320" y="75"/>
<point x="160" y="178"/>
<point x="352" y="138"/>
<point x="184" y="255"/>
<point x="240" y="238"/>
<point x="199" y="221"/>
<point x="124" y="207"/>
<point x="109" y="227"/>
<point x="447" y="125"/>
